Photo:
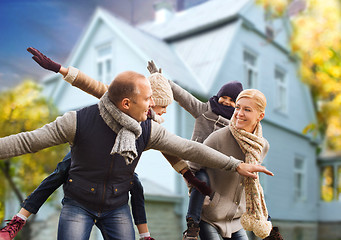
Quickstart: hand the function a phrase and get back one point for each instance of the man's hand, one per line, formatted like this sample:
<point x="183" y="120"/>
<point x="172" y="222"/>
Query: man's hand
<point x="247" y="170"/>
<point x="152" y="67"/>
<point x="44" y="61"/>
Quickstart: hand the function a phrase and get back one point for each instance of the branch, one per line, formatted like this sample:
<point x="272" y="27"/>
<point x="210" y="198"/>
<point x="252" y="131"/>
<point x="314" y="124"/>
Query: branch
<point x="5" y="168"/>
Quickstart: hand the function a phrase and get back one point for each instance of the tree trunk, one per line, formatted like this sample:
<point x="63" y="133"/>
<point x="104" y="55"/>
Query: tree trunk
<point x="25" y="233"/>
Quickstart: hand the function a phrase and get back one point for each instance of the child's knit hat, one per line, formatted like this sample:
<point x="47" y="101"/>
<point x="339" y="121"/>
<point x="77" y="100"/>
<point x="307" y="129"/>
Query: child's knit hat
<point x="162" y="91"/>
<point x="230" y="89"/>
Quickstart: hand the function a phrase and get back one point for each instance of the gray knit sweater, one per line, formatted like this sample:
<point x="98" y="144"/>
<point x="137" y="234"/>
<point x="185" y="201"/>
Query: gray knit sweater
<point x="228" y="203"/>
<point x="63" y="130"/>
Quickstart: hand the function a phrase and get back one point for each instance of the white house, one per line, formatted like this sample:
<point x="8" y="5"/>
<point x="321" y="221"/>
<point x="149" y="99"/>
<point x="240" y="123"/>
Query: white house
<point x="201" y="49"/>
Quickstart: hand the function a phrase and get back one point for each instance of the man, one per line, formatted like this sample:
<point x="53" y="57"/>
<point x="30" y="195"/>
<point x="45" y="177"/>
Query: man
<point x="107" y="140"/>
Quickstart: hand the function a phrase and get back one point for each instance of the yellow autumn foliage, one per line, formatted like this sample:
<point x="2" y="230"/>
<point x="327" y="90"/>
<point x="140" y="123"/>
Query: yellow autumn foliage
<point x="23" y="108"/>
<point x="316" y="40"/>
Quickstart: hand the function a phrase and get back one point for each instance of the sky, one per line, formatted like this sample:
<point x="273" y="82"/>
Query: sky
<point x="53" y="27"/>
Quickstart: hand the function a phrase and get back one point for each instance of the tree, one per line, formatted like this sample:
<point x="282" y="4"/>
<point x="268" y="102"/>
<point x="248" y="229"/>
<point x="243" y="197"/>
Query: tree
<point x="316" y="40"/>
<point x="24" y="108"/>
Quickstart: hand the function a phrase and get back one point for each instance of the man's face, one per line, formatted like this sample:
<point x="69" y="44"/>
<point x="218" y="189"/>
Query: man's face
<point x="142" y="101"/>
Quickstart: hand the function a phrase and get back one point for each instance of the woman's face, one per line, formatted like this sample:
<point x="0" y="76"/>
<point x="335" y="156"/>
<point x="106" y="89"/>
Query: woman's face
<point x="247" y="114"/>
<point x="226" y="101"/>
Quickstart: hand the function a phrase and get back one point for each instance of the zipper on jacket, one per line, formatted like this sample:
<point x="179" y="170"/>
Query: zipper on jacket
<point x="105" y="185"/>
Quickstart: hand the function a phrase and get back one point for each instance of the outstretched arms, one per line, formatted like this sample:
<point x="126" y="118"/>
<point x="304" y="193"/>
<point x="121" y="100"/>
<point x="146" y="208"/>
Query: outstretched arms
<point x="71" y="75"/>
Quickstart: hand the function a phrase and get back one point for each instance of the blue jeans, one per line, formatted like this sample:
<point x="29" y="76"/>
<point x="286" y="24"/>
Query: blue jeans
<point x="208" y="232"/>
<point x="37" y="198"/>
<point x="196" y="199"/>
<point x="76" y="222"/>
<point x="137" y="202"/>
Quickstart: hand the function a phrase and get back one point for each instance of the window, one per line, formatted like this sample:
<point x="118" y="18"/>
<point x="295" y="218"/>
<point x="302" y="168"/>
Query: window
<point x="327" y="184"/>
<point x="250" y="63"/>
<point x="104" y="64"/>
<point x="299" y="179"/>
<point x="281" y="91"/>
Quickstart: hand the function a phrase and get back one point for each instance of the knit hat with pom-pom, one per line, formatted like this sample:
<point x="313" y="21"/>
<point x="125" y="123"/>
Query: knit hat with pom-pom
<point x="162" y="91"/>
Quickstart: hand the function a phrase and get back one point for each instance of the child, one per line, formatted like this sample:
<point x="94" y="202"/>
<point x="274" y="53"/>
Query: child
<point x="162" y="96"/>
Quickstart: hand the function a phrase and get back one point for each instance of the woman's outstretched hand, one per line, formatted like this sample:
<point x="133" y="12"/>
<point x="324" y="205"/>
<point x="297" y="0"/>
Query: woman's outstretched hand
<point x="247" y="170"/>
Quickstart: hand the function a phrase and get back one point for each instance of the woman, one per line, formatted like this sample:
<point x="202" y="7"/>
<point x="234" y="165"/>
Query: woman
<point x="242" y="139"/>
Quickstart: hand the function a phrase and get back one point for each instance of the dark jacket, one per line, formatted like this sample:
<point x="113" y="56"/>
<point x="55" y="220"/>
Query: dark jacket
<point x="98" y="180"/>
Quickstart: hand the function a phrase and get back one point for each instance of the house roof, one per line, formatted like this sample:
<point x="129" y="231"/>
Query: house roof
<point x="148" y="47"/>
<point x="192" y="62"/>
<point x="152" y="48"/>
<point x="204" y="53"/>
<point x="196" y="19"/>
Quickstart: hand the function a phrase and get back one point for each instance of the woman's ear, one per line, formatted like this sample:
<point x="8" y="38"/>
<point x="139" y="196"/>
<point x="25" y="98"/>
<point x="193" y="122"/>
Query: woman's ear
<point x="261" y="116"/>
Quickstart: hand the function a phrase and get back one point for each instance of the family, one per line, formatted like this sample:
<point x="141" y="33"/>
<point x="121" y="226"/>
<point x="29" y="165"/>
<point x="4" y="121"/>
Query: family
<point x="220" y="164"/>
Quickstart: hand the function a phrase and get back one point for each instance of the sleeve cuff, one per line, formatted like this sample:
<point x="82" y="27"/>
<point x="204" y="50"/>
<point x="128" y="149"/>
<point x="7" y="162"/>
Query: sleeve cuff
<point x="235" y="164"/>
<point x="71" y="75"/>
<point x="180" y="165"/>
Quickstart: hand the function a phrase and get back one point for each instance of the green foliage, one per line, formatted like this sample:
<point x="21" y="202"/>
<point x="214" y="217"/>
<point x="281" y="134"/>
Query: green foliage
<point x="23" y="108"/>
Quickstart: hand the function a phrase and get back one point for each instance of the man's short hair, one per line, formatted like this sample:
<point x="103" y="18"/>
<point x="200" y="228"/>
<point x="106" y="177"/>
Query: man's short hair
<point x="124" y="86"/>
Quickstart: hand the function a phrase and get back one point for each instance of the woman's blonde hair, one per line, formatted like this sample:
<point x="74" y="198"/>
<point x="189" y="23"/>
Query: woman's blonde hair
<point x="256" y="95"/>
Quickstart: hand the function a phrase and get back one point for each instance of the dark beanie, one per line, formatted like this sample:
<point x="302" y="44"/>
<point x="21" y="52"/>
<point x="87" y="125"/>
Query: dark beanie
<point x="231" y="89"/>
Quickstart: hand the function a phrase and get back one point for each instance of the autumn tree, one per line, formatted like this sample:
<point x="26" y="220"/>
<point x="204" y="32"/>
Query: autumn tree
<point x="316" y="40"/>
<point x="24" y="108"/>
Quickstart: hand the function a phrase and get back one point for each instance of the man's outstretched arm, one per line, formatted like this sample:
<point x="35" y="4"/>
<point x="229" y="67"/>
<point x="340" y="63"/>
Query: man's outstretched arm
<point x="169" y="143"/>
<point x="60" y="131"/>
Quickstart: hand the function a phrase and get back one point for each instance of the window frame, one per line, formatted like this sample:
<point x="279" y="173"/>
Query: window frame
<point x="250" y="67"/>
<point x="301" y="197"/>
<point x="281" y="84"/>
<point x="102" y="60"/>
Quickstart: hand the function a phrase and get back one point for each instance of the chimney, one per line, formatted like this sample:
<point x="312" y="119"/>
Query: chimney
<point x="163" y="11"/>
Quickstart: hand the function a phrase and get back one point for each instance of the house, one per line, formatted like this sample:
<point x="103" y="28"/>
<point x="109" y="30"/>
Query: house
<point x="201" y="49"/>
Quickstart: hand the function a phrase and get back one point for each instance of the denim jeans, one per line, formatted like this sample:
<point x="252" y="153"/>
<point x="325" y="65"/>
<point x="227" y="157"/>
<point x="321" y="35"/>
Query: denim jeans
<point x="208" y="232"/>
<point x="137" y="202"/>
<point x="196" y="199"/>
<point x="76" y="222"/>
<point x="37" y="198"/>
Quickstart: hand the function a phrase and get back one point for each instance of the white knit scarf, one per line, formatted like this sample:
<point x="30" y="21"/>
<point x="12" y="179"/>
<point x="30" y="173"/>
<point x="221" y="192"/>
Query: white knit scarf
<point x="126" y="128"/>
<point x="255" y="217"/>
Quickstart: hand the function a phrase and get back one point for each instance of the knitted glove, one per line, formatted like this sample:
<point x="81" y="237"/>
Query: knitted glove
<point x="195" y="182"/>
<point x="152" y="67"/>
<point x="44" y="61"/>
